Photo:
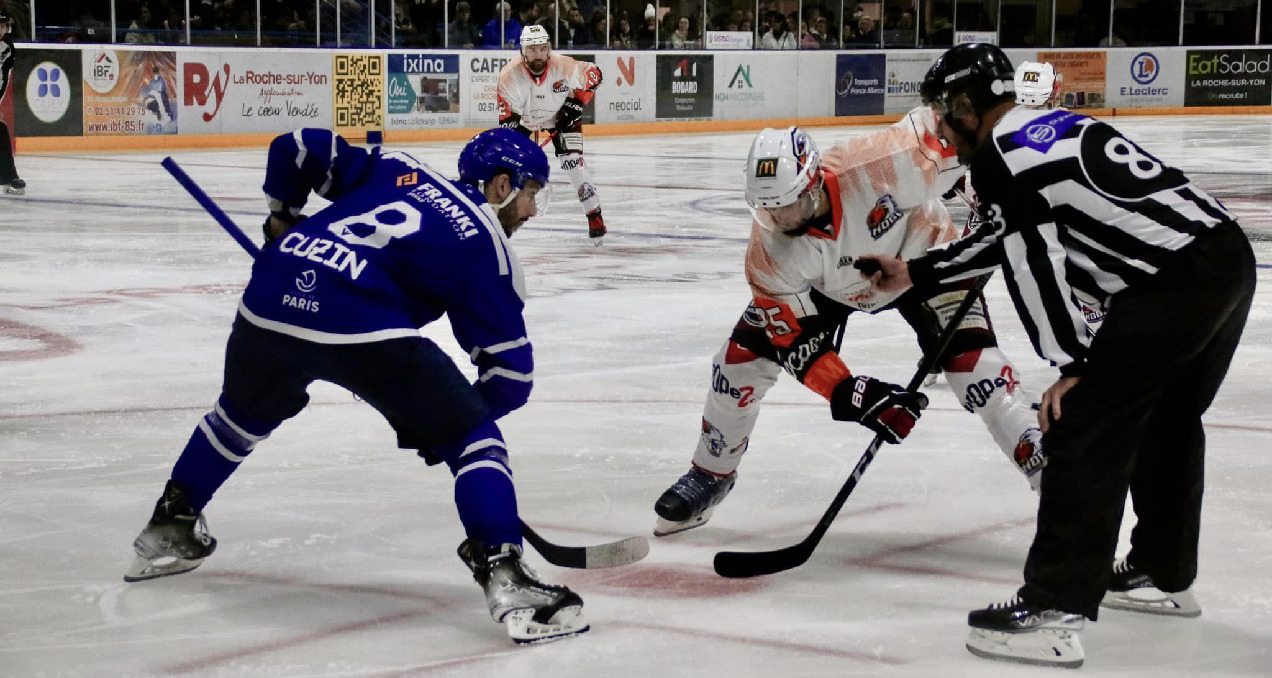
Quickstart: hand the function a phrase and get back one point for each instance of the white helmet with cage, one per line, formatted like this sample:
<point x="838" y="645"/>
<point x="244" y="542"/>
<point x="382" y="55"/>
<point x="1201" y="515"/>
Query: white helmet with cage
<point x="1035" y="83"/>
<point x="783" y="178"/>
<point x="534" y="34"/>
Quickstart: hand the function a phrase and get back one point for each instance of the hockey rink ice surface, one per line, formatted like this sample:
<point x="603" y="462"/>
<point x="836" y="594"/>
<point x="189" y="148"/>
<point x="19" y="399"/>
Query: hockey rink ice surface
<point x="336" y="551"/>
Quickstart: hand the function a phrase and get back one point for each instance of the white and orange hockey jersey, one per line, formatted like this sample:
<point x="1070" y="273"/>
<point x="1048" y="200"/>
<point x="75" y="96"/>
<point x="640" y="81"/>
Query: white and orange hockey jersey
<point x="885" y="192"/>
<point x="537" y="99"/>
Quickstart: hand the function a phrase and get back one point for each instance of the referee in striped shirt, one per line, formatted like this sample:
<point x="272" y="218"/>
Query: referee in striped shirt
<point x="1083" y="221"/>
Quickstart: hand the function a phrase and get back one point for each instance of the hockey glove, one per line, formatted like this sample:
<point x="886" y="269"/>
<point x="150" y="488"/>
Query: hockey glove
<point x="571" y="114"/>
<point x="277" y="224"/>
<point x="886" y="409"/>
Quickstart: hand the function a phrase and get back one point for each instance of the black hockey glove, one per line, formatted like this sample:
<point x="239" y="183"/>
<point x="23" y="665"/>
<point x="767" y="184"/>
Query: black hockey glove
<point x="513" y="122"/>
<point x="571" y="114"/>
<point x="886" y="409"/>
<point x="277" y="224"/>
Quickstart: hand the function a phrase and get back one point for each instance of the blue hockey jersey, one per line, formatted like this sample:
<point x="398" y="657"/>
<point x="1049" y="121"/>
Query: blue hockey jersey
<point x="399" y="246"/>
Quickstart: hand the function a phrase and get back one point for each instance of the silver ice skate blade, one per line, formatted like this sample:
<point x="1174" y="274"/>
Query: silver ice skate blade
<point x="1152" y="600"/>
<point x="1038" y="648"/>
<point x="143" y="569"/>
<point x="524" y="630"/>
<point x="665" y="527"/>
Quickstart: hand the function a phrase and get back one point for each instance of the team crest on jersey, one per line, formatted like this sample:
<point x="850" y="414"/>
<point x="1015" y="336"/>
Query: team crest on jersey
<point x="560" y="87"/>
<point x="712" y="438"/>
<point x="883" y="216"/>
<point x="586" y="190"/>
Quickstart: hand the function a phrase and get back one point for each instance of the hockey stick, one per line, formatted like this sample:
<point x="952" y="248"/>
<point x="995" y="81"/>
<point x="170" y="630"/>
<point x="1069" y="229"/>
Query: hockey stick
<point x="212" y="208"/>
<point x="738" y="564"/>
<point x="612" y="554"/>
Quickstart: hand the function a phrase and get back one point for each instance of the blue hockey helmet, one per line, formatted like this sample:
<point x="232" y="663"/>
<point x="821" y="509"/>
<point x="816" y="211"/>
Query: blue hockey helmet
<point x="503" y="149"/>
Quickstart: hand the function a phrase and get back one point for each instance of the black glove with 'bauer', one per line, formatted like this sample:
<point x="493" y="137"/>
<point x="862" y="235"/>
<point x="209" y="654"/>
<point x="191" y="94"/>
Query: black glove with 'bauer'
<point x="887" y="409"/>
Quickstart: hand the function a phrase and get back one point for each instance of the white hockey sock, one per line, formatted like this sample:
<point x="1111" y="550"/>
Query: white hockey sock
<point x="986" y="383"/>
<point x="739" y="380"/>
<point x="581" y="178"/>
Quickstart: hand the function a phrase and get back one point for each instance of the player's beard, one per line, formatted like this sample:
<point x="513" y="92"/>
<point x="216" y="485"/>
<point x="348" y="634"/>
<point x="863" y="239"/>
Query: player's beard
<point x="508" y="218"/>
<point x="537" y="66"/>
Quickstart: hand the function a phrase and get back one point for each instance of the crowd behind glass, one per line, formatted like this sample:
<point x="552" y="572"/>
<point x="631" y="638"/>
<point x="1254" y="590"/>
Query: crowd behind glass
<point x="640" y="24"/>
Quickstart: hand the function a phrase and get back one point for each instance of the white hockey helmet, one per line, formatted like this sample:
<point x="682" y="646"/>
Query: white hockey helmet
<point x="783" y="178"/>
<point x="534" y="34"/>
<point x="1035" y="83"/>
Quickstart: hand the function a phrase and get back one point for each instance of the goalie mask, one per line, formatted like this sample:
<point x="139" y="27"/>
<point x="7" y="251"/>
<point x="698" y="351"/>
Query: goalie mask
<point x="783" y="179"/>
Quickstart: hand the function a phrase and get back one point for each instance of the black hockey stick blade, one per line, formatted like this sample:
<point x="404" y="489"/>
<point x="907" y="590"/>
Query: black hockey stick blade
<point x="611" y="554"/>
<point x="738" y="564"/>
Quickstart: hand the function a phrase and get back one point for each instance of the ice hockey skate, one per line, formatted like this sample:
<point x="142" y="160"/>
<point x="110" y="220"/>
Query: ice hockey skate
<point x="15" y="187"/>
<point x="530" y="610"/>
<point x="595" y="227"/>
<point x="690" y="502"/>
<point x="175" y="540"/>
<point x="1016" y="631"/>
<point x="1132" y="590"/>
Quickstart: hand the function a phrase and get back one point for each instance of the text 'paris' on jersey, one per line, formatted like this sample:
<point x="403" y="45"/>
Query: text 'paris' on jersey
<point x="399" y="246"/>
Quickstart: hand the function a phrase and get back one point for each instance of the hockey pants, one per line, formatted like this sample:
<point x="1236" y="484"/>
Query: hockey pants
<point x="746" y="367"/>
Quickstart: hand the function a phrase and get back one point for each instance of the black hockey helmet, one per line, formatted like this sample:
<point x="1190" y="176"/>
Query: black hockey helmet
<point x="6" y="19"/>
<point x="980" y="70"/>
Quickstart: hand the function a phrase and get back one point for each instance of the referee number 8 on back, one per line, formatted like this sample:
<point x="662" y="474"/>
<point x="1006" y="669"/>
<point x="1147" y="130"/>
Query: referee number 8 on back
<point x="1122" y="152"/>
<point x="1119" y="169"/>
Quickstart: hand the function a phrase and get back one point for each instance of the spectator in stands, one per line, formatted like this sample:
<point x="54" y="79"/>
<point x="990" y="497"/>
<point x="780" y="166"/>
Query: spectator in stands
<point x="647" y="36"/>
<point x="680" y="36"/>
<point x="529" y="14"/>
<point x="779" y="35"/>
<point x="141" y="31"/>
<point x="580" y="34"/>
<point x="501" y="26"/>
<point x="665" y="28"/>
<point x="427" y="17"/>
<point x="405" y="31"/>
<point x="866" y="35"/>
<point x="824" y="34"/>
<point x="806" y="38"/>
<point x="462" y="32"/>
<point x="599" y="28"/>
<point x="623" y="38"/>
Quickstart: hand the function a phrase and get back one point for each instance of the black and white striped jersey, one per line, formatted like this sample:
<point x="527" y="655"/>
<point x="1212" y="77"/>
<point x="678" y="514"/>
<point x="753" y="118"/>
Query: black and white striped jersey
<point x="6" y="64"/>
<point x="1074" y="212"/>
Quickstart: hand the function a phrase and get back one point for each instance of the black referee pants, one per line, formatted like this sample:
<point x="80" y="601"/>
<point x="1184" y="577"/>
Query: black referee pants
<point x="1134" y="422"/>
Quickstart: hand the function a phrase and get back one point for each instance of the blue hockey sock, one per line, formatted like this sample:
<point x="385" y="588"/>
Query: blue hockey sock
<point x="216" y="448"/>
<point x="484" y="493"/>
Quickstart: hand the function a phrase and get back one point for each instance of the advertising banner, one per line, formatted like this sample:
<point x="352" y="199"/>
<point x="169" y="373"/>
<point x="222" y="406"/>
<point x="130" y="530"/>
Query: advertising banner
<point x="859" y="84"/>
<point x="128" y="92"/>
<point x="627" y="93"/>
<point x="479" y="81"/>
<point x="686" y="84"/>
<point x="358" y="95"/>
<point x="1146" y="79"/>
<point x="1228" y="77"/>
<point x="423" y="91"/>
<point x="1083" y="73"/>
<point x="747" y="87"/>
<point x="729" y="40"/>
<point x="965" y="37"/>
<point x="47" y="93"/>
<point x="905" y="75"/>
<point x="235" y="92"/>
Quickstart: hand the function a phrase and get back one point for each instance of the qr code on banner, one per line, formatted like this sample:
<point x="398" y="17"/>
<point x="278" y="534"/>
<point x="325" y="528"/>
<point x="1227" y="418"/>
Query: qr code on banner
<point x="359" y="90"/>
